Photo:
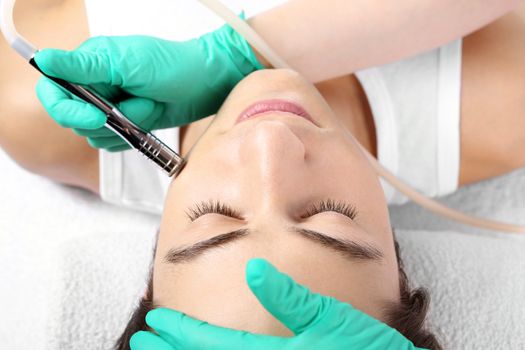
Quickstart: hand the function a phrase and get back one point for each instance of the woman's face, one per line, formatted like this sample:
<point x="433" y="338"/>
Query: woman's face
<point x="264" y="180"/>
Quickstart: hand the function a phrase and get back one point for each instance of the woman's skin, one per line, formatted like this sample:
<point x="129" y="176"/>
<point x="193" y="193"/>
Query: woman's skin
<point x="334" y="37"/>
<point x="271" y="170"/>
<point x="27" y="133"/>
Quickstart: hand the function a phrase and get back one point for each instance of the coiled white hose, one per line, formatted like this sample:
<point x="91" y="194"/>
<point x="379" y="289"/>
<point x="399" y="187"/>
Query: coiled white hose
<point x="265" y="50"/>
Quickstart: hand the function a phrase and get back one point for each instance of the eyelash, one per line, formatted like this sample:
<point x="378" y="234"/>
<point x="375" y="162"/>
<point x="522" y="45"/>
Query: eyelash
<point x="331" y="205"/>
<point x="210" y="207"/>
<point x="217" y="207"/>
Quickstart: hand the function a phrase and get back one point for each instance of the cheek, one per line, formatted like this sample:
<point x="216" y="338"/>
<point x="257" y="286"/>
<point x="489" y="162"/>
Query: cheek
<point x="355" y="178"/>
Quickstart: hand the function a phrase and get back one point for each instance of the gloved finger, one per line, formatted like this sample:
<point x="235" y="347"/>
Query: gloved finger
<point x="102" y="132"/>
<point x="291" y="303"/>
<point x="148" y="341"/>
<point x="121" y="148"/>
<point x="77" y="66"/>
<point x="105" y="142"/>
<point x="142" y="111"/>
<point x="184" y="332"/>
<point x="68" y="112"/>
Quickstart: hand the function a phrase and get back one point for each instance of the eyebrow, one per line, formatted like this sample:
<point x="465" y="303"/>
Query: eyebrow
<point x="352" y="250"/>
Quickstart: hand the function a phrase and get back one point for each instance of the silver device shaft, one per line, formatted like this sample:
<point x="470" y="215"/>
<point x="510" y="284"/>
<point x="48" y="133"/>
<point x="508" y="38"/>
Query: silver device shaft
<point x="141" y="140"/>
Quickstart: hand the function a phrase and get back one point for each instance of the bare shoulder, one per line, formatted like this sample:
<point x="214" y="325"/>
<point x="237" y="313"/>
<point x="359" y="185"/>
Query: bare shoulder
<point x="493" y="99"/>
<point x="52" y="23"/>
<point x="45" y="23"/>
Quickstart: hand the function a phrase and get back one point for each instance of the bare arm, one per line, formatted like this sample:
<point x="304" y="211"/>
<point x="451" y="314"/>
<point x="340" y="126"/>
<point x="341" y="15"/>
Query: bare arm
<point x="325" y="39"/>
<point x="27" y="133"/>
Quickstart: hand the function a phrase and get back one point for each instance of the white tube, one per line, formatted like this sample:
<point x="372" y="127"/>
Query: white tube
<point x="265" y="50"/>
<point x="7" y="26"/>
<point x="437" y="207"/>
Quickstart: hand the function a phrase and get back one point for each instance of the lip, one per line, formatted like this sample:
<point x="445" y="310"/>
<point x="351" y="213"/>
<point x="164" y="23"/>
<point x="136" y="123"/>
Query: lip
<point x="273" y="105"/>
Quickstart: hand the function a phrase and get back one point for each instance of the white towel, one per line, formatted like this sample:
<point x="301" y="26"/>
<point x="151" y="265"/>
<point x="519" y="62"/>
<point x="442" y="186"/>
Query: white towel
<point x="71" y="265"/>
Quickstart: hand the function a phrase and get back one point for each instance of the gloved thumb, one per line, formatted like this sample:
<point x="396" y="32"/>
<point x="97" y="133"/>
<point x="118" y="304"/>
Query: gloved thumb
<point x="291" y="303"/>
<point x="77" y="66"/>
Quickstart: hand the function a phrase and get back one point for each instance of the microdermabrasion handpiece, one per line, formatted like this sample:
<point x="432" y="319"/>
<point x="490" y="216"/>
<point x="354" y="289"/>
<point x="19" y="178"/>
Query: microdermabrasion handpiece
<point x="146" y="143"/>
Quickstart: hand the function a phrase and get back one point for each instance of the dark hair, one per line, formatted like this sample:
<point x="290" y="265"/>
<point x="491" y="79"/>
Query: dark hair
<point x="408" y="316"/>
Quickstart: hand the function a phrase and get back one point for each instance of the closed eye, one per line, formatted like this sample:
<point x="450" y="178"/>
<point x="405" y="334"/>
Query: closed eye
<point x="211" y="207"/>
<point x="331" y="205"/>
<point x="216" y="207"/>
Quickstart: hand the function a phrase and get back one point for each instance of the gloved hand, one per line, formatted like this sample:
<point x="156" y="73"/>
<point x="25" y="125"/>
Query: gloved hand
<point x="156" y="83"/>
<point x="318" y="322"/>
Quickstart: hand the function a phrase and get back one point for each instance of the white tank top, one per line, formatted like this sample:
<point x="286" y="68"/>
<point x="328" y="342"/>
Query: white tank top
<point x="416" y="108"/>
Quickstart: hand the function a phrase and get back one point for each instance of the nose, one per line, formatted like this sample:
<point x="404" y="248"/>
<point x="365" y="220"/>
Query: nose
<point x="272" y="157"/>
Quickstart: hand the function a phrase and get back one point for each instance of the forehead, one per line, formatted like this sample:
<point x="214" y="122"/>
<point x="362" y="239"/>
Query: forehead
<point x="213" y="286"/>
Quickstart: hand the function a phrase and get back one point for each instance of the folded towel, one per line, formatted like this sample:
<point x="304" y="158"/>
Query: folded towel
<point x="476" y="283"/>
<point x="476" y="277"/>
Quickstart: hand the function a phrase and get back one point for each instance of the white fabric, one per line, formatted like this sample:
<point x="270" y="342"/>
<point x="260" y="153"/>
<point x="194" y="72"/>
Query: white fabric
<point x="416" y="108"/>
<point x="130" y="180"/>
<point x="73" y="267"/>
<point x="70" y="264"/>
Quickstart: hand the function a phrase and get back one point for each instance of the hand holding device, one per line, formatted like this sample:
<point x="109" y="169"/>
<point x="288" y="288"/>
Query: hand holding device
<point x="156" y="83"/>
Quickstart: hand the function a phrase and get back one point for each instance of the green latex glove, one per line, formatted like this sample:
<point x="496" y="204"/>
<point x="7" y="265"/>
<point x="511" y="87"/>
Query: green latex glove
<point x="156" y="83"/>
<point x="318" y="322"/>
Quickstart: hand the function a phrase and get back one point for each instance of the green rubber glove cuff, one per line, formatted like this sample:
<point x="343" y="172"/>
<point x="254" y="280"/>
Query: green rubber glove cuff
<point x="224" y="58"/>
<point x="227" y="59"/>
